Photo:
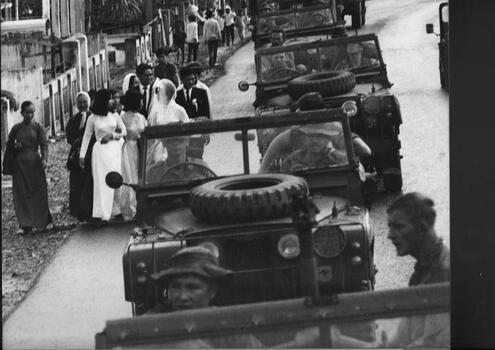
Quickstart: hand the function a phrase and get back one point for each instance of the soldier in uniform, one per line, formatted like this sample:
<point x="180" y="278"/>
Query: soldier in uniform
<point x="192" y="278"/>
<point x="317" y="148"/>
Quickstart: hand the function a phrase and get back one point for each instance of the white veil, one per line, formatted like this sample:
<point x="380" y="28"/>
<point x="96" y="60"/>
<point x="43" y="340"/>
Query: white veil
<point x="126" y="82"/>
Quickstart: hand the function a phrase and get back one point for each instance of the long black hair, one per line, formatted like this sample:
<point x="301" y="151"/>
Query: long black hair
<point x="100" y="104"/>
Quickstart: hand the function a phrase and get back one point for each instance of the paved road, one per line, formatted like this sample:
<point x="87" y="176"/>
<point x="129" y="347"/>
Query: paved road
<point x="82" y="287"/>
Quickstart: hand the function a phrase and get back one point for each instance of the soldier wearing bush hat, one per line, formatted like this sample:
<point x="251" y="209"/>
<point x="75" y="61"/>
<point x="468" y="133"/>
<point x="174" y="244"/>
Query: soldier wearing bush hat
<point x="191" y="278"/>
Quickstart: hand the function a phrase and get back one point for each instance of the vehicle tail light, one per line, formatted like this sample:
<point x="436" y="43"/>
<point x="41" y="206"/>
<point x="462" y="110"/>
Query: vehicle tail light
<point x="356" y="260"/>
<point x="288" y="246"/>
<point x="141" y="272"/>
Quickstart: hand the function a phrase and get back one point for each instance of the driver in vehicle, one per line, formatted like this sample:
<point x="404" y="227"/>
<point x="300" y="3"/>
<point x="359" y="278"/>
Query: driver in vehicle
<point x="317" y="149"/>
<point x="354" y="58"/>
<point x="290" y="140"/>
<point x="191" y="280"/>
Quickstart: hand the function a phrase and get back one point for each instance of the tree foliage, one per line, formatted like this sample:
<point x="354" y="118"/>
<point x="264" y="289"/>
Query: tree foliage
<point x="101" y="12"/>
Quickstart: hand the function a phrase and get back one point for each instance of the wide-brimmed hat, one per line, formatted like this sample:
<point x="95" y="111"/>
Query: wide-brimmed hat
<point x="197" y="260"/>
<point x="310" y="101"/>
<point x="327" y="129"/>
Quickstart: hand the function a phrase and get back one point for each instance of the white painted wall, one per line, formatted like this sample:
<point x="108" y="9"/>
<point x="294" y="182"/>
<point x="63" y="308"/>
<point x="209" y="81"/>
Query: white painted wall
<point x="25" y="84"/>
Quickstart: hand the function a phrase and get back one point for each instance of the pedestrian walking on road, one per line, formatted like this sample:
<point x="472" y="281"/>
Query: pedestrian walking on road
<point x="229" y="25"/>
<point x="22" y="160"/>
<point x="240" y="24"/>
<point x="197" y="69"/>
<point x="134" y="123"/>
<point x="131" y="82"/>
<point x="179" y="37"/>
<point x="80" y="180"/>
<point x="192" y="39"/>
<point x="145" y="74"/>
<point x="193" y="99"/>
<point x="165" y="111"/>
<point x="107" y="152"/>
<point x="212" y="37"/>
<point x="164" y="68"/>
<point x="221" y="23"/>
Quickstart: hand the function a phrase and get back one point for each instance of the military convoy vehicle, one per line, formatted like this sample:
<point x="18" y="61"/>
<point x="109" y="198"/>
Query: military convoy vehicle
<point x="341" y="69"/>
<point x="443" y="45"/>
<point x="224" y="202"/>
<point x="297" y="22"/>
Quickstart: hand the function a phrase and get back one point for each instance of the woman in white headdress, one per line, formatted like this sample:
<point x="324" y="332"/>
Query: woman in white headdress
<point x="164" y="111"/>
<point x="130" y="82"/>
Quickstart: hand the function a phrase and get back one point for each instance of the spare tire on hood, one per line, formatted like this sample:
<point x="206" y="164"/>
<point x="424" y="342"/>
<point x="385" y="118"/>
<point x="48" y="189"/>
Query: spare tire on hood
<point x="246" y="197"/>
<point x="326" y="83"/>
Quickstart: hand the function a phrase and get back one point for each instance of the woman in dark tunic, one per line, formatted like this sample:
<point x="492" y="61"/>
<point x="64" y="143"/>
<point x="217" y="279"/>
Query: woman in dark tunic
<point x="80" y="180"/>
<point x="28" y="176"/>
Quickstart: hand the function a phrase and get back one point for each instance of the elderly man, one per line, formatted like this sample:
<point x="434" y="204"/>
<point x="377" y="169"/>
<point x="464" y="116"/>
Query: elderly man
<point x="192" y="278"/>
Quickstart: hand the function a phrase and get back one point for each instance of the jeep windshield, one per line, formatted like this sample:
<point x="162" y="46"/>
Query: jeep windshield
<point x="296" y="21"/>
<point x="280" y="64"/>
<point x="185" y="157"/>
<point x="420" y="313"/>
<point x="187" y="153"/>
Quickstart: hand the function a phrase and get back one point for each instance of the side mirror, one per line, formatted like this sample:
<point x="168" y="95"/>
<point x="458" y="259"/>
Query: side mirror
<point x="114" y="179"/>
<point x="238" y="136"/>
<point x="429" y="28"/>
<point x="243" y="85"/>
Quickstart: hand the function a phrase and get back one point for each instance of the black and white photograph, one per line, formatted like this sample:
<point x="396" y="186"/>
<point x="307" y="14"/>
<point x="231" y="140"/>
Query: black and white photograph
<point x="246" y="174"/>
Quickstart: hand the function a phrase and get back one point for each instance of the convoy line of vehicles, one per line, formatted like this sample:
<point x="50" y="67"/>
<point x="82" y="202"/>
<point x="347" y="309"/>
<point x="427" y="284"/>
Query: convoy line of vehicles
<point x="299" y="240"/>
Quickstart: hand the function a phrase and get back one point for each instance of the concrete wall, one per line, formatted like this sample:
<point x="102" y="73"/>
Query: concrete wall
<point x="25" y="85"/>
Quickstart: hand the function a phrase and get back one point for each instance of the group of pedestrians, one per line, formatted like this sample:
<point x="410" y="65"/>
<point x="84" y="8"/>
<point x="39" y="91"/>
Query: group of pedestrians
<point x="103" y="137"/>
<point x="219" y="27"/>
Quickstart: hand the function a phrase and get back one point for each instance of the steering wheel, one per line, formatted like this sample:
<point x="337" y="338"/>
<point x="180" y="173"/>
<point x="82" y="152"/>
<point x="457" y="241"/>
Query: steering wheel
<point x="276" y="74"/>
<point x="189" y="170"/>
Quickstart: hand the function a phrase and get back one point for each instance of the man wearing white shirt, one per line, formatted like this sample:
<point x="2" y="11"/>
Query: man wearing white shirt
<point x="229" y="24"/>
<point x="192" y="38"/>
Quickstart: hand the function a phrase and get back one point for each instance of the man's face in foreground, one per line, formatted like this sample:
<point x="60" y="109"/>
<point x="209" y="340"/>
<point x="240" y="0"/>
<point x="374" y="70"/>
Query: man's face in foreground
<point x="187" y="292"/>
<point x="402" y="232"/>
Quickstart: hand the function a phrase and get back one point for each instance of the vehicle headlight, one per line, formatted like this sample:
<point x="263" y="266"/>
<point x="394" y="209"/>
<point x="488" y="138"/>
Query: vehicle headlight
<point x="288" y="246"/>
<point x="350" y="108"/>
<point x="212" y="247"/>
<point x="388" y="103"/>
<point x="371" y="105"/>
<point x="328" y="241"/>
